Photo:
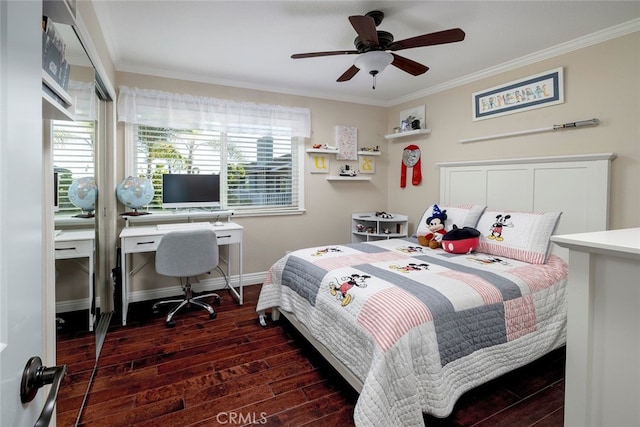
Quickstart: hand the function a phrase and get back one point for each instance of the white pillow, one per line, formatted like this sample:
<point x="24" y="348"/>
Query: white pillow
<point x="462" y="216"/>
<point x="524" y="236"/>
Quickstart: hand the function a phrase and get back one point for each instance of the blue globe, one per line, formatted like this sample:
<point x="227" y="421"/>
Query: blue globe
<point x="135" y="192"/>
<point x="83" y="193"/>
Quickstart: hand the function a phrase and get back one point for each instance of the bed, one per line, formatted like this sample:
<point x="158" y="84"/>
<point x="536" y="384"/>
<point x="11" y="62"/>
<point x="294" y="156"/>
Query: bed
<point x="412" y="328"/>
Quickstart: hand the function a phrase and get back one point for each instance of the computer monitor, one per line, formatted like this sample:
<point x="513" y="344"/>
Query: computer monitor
<point x="190" y="191"/>
<point x="56" y="192"/>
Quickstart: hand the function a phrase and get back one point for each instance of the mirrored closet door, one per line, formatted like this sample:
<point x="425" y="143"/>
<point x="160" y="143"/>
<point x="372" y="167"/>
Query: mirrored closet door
<point x="75" y="119"/>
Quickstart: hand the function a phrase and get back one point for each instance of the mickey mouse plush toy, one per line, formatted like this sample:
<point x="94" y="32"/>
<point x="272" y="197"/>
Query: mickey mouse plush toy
<point x="435" y="223"/>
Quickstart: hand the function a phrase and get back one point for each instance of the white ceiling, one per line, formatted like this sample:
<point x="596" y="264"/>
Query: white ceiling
<point x="249" y="43"/>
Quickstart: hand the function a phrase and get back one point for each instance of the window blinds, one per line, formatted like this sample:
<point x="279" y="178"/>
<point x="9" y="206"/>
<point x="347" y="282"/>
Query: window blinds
<point x="73" y="158"/>
<point x="258" y="172"/>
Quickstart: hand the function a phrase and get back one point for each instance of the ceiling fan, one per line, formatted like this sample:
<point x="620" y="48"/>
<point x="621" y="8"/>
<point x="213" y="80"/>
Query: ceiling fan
<point x="373" y="45"/>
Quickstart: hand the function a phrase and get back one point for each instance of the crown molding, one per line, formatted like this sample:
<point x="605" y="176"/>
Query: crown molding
<point x="561" y="49"/>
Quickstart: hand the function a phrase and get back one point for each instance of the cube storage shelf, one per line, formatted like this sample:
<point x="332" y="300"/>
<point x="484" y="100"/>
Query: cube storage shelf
<point x="367" y="227"/>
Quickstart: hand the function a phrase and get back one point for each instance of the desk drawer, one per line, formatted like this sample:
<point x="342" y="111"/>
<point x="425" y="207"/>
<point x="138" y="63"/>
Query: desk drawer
<point x="73" y="249"/>
<point x="229" y="237"/>
<point x="140" y="244"/>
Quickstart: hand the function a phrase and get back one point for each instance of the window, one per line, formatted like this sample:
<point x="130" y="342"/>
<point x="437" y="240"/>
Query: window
<point x="254" y="147"/>
<point x="258" y="173"/>
<point x="73" y="158"/>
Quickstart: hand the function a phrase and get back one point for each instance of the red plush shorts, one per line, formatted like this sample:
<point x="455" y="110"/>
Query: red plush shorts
<point x="461" y="246"/>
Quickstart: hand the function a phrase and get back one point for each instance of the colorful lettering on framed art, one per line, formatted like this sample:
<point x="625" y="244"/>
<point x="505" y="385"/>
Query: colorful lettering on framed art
<point x="540" y="90"/>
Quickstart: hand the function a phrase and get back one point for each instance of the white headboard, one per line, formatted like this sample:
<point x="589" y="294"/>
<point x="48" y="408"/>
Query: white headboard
<point x="576" y="185"/>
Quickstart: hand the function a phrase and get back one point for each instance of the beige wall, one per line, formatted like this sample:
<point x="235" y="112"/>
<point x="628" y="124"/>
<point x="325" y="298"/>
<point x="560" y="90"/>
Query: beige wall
<point x="600" y="81"/>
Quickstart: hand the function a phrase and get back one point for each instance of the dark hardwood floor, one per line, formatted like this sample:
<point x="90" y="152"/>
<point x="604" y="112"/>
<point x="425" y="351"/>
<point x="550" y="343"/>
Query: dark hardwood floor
<point x="232" y="372"/>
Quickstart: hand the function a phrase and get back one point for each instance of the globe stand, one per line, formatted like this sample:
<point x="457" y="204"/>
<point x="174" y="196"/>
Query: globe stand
<point x="135" y="212"/>
<point x="88" y="214"/>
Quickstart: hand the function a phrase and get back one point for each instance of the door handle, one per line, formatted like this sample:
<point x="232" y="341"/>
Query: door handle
<point x="35" y="376"/>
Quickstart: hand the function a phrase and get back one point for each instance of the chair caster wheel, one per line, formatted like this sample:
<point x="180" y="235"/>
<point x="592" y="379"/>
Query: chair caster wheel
<point x="156" y="311"/>
<point x="216" y="301"/>
<point x="213" y="315"/>
<point x="171" y="324"/>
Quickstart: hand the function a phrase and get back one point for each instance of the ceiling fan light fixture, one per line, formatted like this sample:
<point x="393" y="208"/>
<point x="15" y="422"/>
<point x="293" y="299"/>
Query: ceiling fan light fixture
<point x="373" y="62"/>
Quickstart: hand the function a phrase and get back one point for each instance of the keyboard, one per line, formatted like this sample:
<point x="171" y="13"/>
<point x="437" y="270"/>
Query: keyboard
<point x="184" y="226"/>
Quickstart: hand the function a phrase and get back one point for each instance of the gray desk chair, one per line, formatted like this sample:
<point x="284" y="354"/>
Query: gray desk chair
<point x="186" y="254"/>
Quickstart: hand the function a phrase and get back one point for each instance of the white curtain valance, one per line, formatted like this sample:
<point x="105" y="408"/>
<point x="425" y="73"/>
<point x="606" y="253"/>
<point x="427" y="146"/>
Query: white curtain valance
<point x="163" y="109"/>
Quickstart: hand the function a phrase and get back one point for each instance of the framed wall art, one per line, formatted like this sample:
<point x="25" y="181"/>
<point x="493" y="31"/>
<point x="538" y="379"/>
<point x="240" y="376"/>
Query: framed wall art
<point x="367" y="164"/>
<point x="540" y="90"/>
<point x="319" y="163"/>
<point x="347" y="142"/>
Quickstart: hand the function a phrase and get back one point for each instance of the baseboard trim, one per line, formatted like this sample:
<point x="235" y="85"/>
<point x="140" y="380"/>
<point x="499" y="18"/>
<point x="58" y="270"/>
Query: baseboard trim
<point x="148" y="294"/>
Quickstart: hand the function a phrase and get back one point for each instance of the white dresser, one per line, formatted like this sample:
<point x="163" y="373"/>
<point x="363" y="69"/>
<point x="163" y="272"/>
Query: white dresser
<point x="603" y="328"/>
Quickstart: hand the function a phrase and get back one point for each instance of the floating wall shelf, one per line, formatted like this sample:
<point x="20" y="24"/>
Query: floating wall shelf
<point x="326" y="151"/>
<point x="348" y="178"/>
<point x="322" y="150"/>
<point x="407" y="133"/>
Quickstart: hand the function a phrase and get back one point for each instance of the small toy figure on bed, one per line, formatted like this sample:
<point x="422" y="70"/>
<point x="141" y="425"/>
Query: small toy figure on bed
<point x="435" y="223"/>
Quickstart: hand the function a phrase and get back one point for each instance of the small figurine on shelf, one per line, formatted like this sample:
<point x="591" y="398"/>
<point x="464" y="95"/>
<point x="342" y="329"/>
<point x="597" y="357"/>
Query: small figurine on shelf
<point x="383" y="214"/>
<point x="410" y="123"/>
<point x="346" y="170"/>
<point x="405" y="125"/>
<point x="372" y="149"/>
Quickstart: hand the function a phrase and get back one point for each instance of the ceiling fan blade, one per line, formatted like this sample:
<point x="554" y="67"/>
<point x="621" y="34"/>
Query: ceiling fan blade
<point x="328" y="53"/>
<point x="348" y="75"/>
<point x="440" y="37"/>
<point x="405" y="64"/>
<point x="365" y="26"/>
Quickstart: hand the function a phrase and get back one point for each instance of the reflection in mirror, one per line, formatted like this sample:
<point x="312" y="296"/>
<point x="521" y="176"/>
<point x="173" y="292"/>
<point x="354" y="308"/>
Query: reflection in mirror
<point x="73" y="161"/>
<point x="81" y="329"/>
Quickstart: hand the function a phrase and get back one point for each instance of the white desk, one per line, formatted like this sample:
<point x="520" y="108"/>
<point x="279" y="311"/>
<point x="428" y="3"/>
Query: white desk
<point x="146" y="238"/>
<point x="602" y="378"/>
<point x="71" y="244"/>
